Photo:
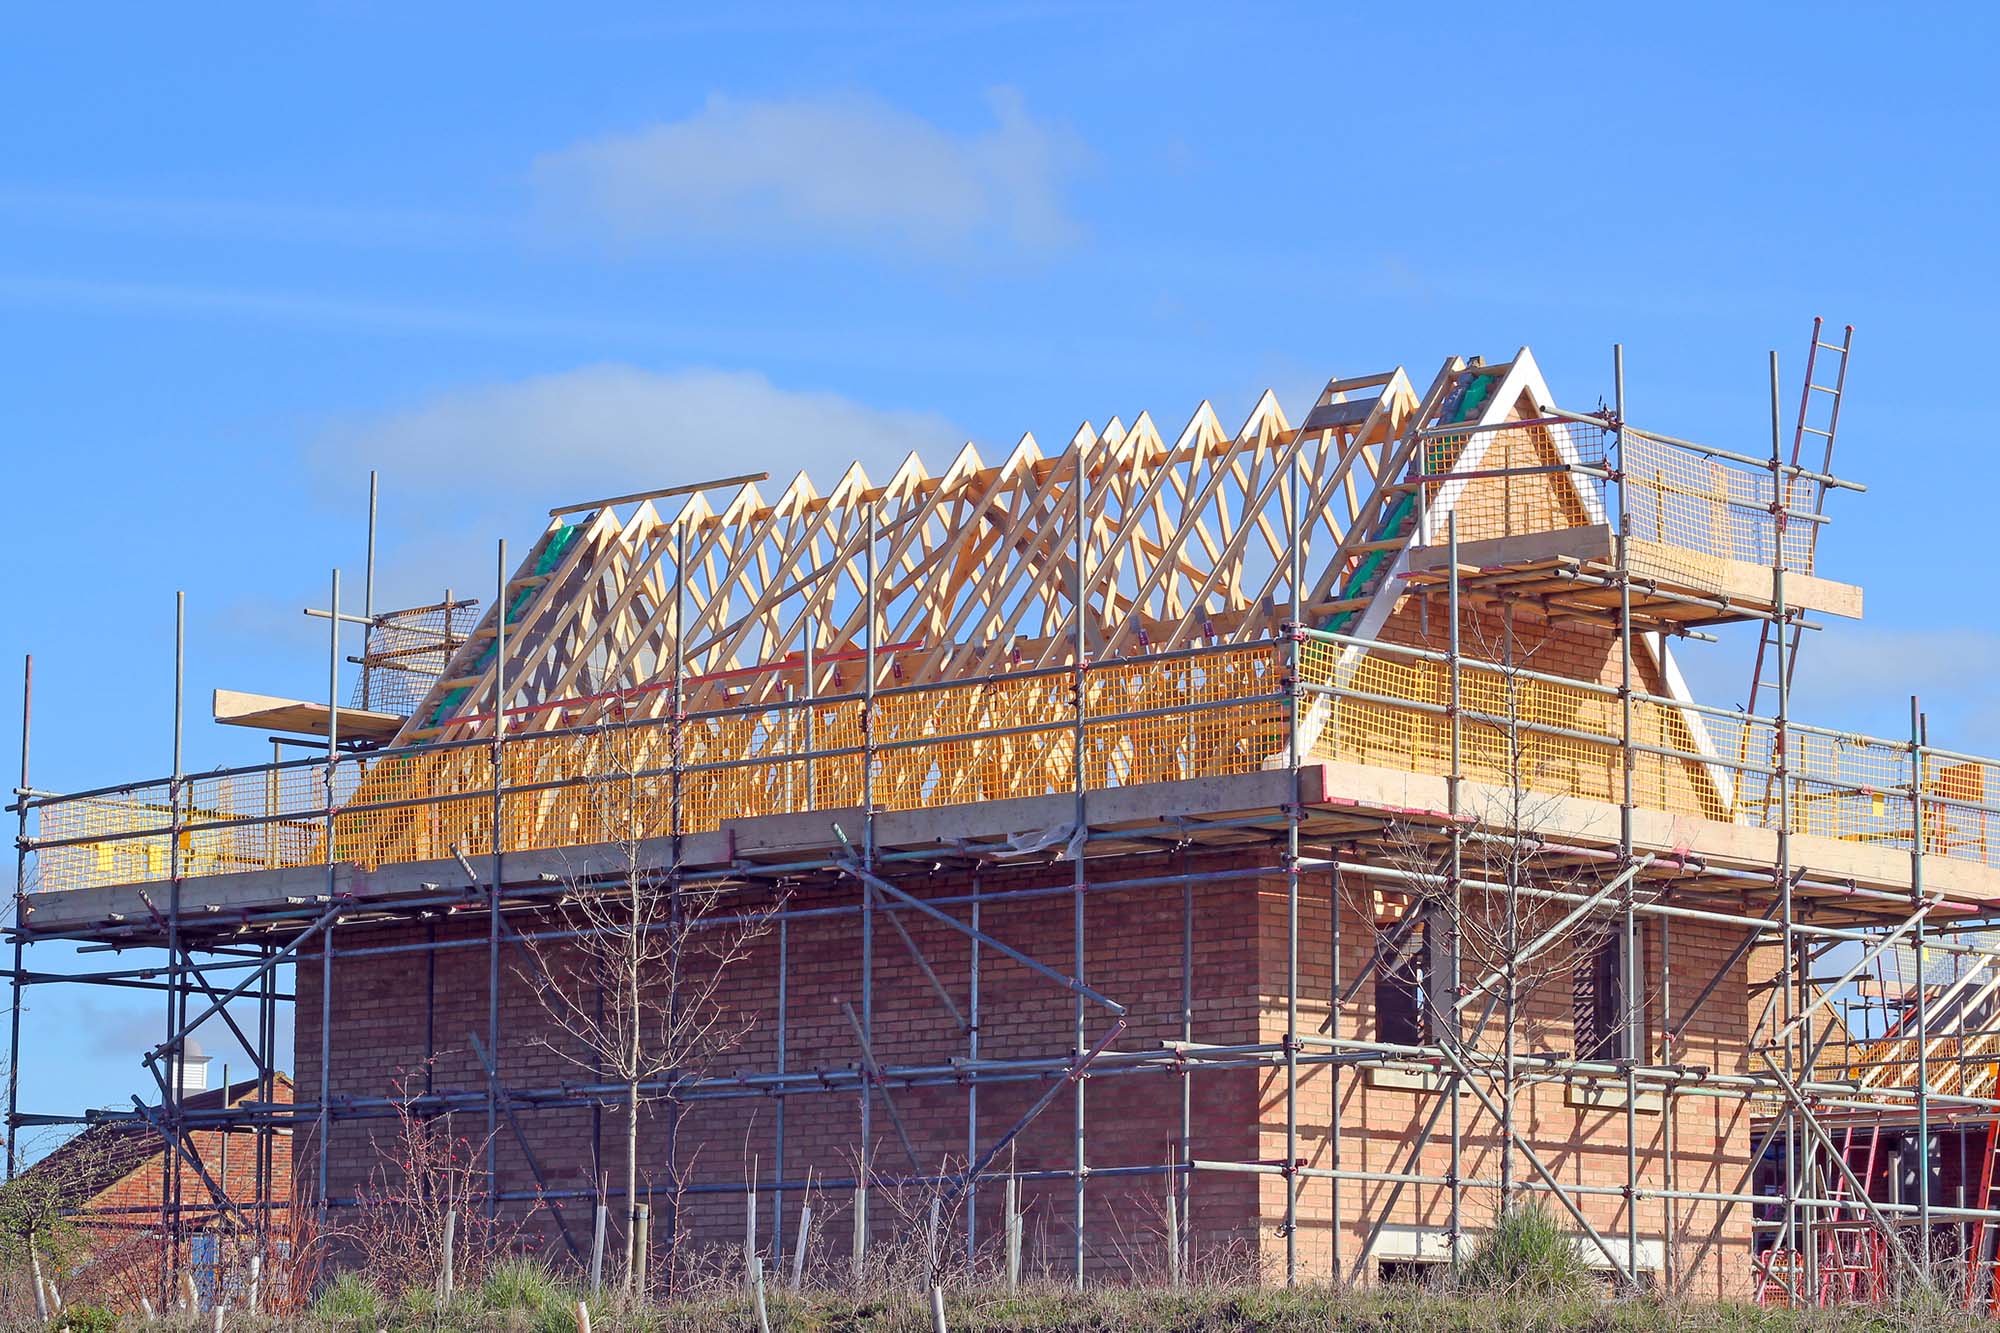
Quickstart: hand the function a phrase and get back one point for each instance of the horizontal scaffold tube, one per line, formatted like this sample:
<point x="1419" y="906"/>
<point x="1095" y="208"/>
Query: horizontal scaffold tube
<point x="1760" y="924"/>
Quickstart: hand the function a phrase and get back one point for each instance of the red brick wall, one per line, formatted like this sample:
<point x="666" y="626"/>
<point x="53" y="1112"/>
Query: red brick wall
<point x="383" y="1006"/>
<point x="1708" y="1252"/>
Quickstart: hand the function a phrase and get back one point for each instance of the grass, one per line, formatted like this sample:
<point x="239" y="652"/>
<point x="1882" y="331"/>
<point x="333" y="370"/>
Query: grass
<point x="528" y="1290"/>
<point x="524" y="1297"/>
<point x="350" y="1300"/>
<point x="85" y="1319"/>
<point x="1528" y="1254"/>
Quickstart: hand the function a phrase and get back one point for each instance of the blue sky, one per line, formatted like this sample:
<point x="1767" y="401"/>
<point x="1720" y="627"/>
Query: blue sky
<point x="514" y="259"/>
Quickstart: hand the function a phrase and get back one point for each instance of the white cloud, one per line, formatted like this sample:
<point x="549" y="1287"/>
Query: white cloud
<point x="845" y="169"/>
<point x="613" y="429"/>
<point x="475" y="463"/>
<point x="319" y="310"/>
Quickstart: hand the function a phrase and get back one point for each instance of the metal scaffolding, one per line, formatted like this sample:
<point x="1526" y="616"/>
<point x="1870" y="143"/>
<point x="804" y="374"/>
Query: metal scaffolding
<point x="1323" y="696"/>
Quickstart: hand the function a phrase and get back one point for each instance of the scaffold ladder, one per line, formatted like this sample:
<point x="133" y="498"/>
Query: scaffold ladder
<point x="1981" y="1291"/>
<point x="1853" y="1264"/>
<point x="1819" y="419"/>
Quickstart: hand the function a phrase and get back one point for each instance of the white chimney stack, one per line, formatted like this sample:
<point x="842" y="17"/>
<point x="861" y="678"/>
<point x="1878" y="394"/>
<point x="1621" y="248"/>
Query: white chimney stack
<point x="193" y="1068"/>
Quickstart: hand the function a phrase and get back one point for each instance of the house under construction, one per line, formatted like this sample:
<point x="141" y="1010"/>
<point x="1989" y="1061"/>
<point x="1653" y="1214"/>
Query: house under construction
<point x="1277" y="846"/>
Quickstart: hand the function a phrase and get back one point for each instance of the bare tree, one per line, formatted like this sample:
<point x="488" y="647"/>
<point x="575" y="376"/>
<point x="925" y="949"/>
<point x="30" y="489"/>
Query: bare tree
<point x="631" y="962"/>
<point x="53" y="1228"/>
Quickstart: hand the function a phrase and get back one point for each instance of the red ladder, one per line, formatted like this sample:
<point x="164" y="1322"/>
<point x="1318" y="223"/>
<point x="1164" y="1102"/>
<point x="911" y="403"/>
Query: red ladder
<point x="1853" y="1257"/>
<point x="1980" y="1288"/>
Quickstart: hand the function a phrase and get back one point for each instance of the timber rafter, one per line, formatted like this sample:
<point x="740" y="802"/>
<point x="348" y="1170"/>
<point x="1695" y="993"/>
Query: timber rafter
<point x="1183" y="543"/>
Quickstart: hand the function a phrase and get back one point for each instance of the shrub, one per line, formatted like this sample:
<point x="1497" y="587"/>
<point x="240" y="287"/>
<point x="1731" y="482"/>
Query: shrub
<point x="85" y="1319"/>
<point x="1526" y="1253"/>
<point x="350" y="1298"/>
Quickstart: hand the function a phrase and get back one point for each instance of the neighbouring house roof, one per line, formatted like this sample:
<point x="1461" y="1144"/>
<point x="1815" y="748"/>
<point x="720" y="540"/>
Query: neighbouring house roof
<point x="88" y="1164"/>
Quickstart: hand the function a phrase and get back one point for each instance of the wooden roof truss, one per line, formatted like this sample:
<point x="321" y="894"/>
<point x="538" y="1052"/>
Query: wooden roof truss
<point x="974" y="567"/>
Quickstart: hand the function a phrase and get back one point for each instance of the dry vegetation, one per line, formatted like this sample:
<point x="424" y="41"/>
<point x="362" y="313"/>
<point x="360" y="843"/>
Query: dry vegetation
<point x="526" y="1300"/>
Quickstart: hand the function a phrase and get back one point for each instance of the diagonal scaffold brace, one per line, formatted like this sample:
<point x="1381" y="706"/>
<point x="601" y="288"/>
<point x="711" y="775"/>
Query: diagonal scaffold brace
<point x="1078" y="1068"/>
<point x="252" y="975"/>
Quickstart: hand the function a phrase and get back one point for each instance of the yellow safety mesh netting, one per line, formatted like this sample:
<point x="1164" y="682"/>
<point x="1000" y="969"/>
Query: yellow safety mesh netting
<point x="1562" y="740"/>
<point x="1952" y="827"/>
<point x="982" y="741"/>
<point x="1536" y="492"/>
<point x="1145" y="721"/>
<point x="109" y="853"/>
<point x="1565" y="740"/>
<point x="1199" y="715"/>
<point x="1850" y="787"/>
<point x="1184" y="718"/>
<point x="1690" y="512"/>
<point x="126" y="836"/>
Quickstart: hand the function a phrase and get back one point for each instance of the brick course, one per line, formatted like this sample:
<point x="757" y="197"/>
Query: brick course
<point x="385" y="1006"/>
